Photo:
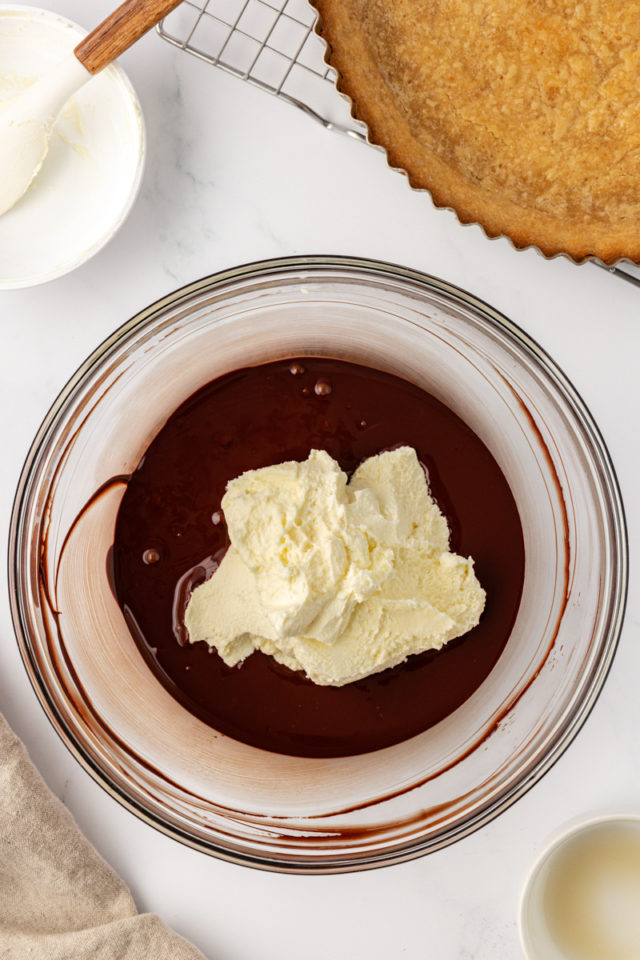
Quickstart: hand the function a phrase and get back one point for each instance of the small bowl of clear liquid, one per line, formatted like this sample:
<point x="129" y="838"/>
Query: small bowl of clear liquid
<point x="582" y="897"/>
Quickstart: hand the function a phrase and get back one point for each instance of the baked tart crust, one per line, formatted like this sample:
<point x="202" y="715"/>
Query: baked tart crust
<point x="521" y="115"/>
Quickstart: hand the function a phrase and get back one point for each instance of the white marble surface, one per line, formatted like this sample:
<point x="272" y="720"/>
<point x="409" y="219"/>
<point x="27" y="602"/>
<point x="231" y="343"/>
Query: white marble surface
<point x="234" y="176"/>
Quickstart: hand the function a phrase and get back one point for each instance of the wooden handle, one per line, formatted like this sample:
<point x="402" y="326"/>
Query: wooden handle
<point x="120" y="30"/>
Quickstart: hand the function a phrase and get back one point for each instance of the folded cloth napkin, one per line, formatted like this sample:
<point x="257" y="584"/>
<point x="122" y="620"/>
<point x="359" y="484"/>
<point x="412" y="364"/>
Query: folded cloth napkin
<point x="59" y="900"/>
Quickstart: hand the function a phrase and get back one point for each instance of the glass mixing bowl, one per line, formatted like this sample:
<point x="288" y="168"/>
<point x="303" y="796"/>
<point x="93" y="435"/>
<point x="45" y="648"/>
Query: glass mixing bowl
<point x="292" y="813"/>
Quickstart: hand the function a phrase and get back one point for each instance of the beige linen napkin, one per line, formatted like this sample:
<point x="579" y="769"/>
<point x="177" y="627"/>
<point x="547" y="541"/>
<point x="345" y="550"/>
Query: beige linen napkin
<point x="59" y="900"/>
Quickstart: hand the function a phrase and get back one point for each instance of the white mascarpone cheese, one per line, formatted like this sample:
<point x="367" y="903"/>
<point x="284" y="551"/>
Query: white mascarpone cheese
<point x="338" y="579"/>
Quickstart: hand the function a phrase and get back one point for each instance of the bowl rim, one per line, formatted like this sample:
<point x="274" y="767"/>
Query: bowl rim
<point x="360" y="268"/>
<point x="118" y="73"/>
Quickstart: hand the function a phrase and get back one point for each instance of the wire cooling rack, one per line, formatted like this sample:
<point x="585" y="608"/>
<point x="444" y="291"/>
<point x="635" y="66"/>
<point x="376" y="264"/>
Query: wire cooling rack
<point x="626" y="271"/>
<point x="272" y="44"/>
<point x="269" y="43"/>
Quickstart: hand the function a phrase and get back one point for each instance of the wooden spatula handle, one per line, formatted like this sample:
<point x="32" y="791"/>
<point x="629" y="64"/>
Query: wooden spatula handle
<point x="120" y="30"/>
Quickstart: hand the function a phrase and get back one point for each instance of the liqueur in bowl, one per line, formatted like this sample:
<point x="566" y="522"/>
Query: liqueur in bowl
<point x="118" y="518"/>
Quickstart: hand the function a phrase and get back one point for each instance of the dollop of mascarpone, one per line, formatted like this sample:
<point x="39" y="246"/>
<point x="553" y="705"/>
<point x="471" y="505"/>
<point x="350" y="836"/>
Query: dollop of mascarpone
<point x="337" y="578"/>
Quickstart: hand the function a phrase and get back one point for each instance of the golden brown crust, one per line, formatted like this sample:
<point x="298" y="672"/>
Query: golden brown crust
<point x="549" y="157"/>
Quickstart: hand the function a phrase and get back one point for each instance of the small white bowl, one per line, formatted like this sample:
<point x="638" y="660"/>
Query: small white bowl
<point x="535" y="938"/>
<point x="93" y="170"/>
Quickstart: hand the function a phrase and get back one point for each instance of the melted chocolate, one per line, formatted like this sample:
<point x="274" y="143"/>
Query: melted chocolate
<point x="171" y="515"/>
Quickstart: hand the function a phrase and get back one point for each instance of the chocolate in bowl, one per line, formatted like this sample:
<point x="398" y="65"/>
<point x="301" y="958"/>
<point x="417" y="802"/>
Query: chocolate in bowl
<point x="331" y="813"/>
<point x="278" y="411"/>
